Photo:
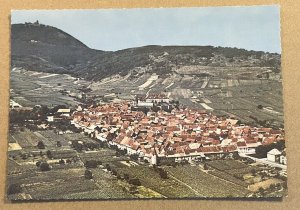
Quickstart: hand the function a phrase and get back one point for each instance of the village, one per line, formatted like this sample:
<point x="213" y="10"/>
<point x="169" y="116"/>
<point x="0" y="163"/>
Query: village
<point x="178" y="134"/>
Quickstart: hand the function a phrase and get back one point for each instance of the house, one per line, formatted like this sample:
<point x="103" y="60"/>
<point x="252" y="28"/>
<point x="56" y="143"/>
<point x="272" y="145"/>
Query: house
<point x="274" y="155"/>
<point x="50" y="118"/>
<point x="64" y="112"/>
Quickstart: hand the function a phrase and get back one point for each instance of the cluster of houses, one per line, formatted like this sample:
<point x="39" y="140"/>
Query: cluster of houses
<point x="182" y="134"/>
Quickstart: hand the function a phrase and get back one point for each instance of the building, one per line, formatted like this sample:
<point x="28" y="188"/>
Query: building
<point x="157" y="98"/>
<point x="64" y="112"/>
<point x="274" y="155"/>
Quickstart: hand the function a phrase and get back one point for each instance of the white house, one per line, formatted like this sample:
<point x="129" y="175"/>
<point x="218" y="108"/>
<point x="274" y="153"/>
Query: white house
<point x="64" y="112"/>
<point x="274" y="155"/>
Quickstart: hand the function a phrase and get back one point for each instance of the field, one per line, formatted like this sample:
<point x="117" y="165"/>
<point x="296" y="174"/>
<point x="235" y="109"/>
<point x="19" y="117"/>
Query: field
<point x="30" y="88"/>
<point x="67" y="181"/>
<point x="29" y="139"/>
<point x="205" y="184"/>
<point x="222" y="94"/>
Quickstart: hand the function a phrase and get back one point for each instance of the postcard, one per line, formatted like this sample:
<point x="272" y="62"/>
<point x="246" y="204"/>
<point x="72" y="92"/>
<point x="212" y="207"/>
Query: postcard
<point x="156" y="103"/>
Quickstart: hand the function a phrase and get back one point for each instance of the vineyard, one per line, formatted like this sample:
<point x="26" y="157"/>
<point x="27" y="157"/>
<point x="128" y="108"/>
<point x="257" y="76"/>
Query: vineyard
<point x="205" y="184"/>
<point x="169" y="188"/>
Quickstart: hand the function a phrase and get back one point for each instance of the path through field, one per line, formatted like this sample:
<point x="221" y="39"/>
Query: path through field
<point x="181" y="182"/>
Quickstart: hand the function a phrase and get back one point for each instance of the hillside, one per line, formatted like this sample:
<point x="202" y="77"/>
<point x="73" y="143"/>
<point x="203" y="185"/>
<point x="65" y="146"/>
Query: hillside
<point x="44" y="48"/>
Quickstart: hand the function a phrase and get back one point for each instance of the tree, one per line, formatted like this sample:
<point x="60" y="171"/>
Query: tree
<point x="49" y="154"/>
<point x="235" y="155"/>
<point x="61" y="162"/>
<point x="126" y="176"/>
<point x="205" y="167"/>
<point x="114" y="172"/>
<point x="91" y="164"/>
<point x="272" y="187"/>
<point x="24" y="156"/>
<point x="261" y="191"/>
<point x="41" y="145"/>
<point x="163" y="174"/>
<point x="58" y="144"/>
<point x="14" y="189"/>
<point x="259" y="106"/>
<point x="253" y="171"/>
<point x="88" y="174"/>
<point x="134" y="157"/>
<point x="107" y="166"/>
<point x="38" y="163"/>
<point x="45" y="166"/>
<point x="135" y="181"/>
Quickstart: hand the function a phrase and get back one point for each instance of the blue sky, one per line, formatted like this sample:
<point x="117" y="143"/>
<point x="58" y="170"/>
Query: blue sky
<point x="251" y="27"/>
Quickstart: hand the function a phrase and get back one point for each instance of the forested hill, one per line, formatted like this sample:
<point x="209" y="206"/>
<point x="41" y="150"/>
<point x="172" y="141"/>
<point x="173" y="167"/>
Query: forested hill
<point x="39" y="47"/>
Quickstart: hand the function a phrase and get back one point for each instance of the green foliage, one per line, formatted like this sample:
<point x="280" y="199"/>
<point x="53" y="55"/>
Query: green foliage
<point x="44" y="166"/>
<point x="14" y="189"/>
<point x="41" y="145"/>
<point x="91" y="164"/>
<point x="88" y="174"/>
<point x="61" y="161"/>
<point x="49" y="154"/>
<point x="135" y="181"/>
<point x="262" y="150"/>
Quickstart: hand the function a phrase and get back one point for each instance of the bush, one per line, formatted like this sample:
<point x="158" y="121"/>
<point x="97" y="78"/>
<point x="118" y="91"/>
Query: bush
<point x="41" y="145"/>
<point x="126" y="176"/>
<point x="45" y="166"/>
<point x="259" y="106"/>
<point x="135" y="181"/>
<point x="205" y="167"/>
<point x="88" y="174"/>
<point x="14" y="189"/>
<point x="49" y="154"/>
<point x="24" y="156"/>
<point x="91" y="164"/>
<point x="61" y="161"/>
<point x="38" y="163"/>
<point x="58" y="144"/>
<point x="114" y="172"/>
<point x="261" y="191"/>
<point x="163" y="174"/>
<point x="134" y="157"/>
<point x="107" y="166"/>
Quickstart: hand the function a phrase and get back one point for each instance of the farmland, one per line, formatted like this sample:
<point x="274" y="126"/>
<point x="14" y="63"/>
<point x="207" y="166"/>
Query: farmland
<point x="205" y="184"/>
<point x="222" y="94"/>
<point x="221" y="180"/>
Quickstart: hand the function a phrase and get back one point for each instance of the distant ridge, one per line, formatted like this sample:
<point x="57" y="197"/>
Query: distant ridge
<point x="45" y="48"/>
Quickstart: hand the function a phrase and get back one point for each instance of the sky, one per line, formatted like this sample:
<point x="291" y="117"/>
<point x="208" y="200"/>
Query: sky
<point x="248" y="27"/>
